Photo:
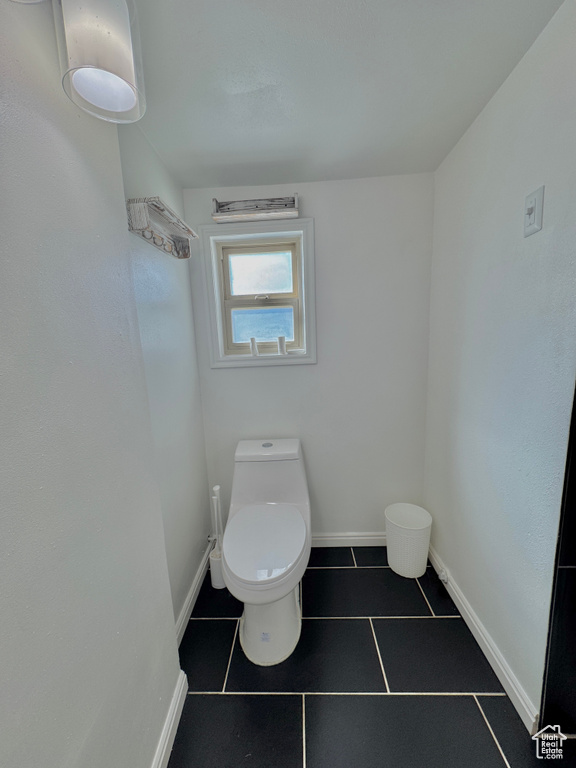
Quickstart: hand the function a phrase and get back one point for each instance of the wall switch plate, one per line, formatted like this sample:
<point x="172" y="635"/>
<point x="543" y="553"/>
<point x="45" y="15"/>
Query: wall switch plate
<point x="533" y="208"/>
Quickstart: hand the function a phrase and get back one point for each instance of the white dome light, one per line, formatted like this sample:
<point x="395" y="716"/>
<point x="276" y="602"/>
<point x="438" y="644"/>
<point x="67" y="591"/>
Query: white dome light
<point x="104" y="89"/>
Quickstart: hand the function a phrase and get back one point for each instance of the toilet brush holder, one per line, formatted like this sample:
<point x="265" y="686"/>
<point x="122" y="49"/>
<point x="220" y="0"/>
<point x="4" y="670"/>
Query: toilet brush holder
<point x="216" y="576"/>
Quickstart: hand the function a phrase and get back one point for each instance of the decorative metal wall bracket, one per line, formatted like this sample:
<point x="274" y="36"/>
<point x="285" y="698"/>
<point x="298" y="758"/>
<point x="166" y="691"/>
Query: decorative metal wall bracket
<point x="154" y="221"/>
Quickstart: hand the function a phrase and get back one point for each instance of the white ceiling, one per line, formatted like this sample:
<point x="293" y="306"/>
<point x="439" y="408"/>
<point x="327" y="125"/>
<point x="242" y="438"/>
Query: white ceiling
<point x="244" y="92"/>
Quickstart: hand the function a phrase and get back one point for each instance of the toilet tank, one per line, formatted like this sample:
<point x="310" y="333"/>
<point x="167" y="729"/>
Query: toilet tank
<point x="268" y="450"/>
<point x="269" y="471"/>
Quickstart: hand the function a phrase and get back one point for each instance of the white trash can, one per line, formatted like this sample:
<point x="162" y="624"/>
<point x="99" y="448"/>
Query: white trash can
<point x="407" y="539"/>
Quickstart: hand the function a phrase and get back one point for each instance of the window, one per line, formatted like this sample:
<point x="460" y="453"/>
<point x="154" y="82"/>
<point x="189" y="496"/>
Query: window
<point x="261" y="288"/>
<point x="261" y="296"/>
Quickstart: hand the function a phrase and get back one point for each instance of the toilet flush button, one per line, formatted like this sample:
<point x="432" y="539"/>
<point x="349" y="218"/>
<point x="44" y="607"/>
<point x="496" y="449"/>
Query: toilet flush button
<point x="267" y="445"/>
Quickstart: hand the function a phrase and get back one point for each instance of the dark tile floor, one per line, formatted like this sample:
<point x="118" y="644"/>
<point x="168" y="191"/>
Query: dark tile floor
<point x="386" y="675"/>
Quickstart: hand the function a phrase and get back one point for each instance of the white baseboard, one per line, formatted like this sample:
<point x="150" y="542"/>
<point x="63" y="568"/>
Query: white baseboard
<point x="188" y="606"/>
<point x="518" y="696"/>
<point x="171" y="723"/>
<point x="369" y="539"/>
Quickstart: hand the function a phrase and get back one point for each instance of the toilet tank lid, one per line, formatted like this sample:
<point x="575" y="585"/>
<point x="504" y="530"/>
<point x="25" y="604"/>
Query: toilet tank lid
<point x="273" y="449"/>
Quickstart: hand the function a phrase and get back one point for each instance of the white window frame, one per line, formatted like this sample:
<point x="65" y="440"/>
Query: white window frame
<point x="215" y="239"/>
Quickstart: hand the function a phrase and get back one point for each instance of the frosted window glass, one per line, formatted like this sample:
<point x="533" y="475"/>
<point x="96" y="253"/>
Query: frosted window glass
<point x="264" y="324"/>
<point x="260" y="273"/>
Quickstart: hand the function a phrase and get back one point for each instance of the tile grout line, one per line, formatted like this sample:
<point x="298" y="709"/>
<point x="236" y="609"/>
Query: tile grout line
<point x="379" y="656"/>
<point x="248" y="693"/>
<point x="464" y="694"/>
<point x="492" y="732"/>
<point x="348" y="567"/>
<point x="366" y="567"/>
<point x="303" y="731"/>
<point x="354" y="557"/>
<point x="425" y="598"/>
<point x="356" y="618"/>
<point x="335" y="618"/>
<point x="230" y="658"/>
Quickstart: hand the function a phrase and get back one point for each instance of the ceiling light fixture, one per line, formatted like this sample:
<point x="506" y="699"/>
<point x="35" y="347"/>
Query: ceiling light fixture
<point x="100" y="59"/>
<point x="99" y="46"/>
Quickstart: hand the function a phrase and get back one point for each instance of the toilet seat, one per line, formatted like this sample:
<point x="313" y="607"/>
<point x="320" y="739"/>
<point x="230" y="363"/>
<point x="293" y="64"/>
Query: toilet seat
<point x="263" y="542"/>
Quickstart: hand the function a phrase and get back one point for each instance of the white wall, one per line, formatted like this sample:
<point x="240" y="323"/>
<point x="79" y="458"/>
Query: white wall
<point x="144" y="173"/>
<point x="503" y="349"/>
<point x="88" y="660"/>
<point x="163" y="301"/>
<point x="360" y="411"/>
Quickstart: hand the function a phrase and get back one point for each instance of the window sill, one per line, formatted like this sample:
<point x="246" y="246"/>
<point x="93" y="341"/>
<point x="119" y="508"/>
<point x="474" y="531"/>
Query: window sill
<point x="247" y="361"/>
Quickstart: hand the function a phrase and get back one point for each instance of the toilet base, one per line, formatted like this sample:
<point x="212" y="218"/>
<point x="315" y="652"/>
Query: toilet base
<point x="270" y="632"/>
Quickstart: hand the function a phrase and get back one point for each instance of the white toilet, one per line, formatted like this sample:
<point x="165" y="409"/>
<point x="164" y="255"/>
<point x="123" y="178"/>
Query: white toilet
<point x="267" y="545"/>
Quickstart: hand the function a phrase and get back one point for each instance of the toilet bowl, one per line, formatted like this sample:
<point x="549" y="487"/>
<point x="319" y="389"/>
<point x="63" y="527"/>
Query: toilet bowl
<point x="266" y="545"/>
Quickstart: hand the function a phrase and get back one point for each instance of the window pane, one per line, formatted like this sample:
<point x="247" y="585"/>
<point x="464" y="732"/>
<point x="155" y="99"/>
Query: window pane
<point x="255" y="273"/>
<point x="263" y="324"/>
